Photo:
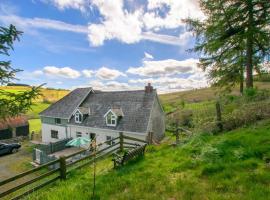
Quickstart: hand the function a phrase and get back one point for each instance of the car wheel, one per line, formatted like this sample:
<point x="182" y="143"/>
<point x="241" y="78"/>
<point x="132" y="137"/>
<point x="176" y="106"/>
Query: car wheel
<point x="14" y="150"/>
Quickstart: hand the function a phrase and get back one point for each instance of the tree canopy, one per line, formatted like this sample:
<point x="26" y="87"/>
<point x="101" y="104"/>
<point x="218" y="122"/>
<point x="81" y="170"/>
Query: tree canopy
<point x="12" y="104"/>
<point x="233" y="37"/>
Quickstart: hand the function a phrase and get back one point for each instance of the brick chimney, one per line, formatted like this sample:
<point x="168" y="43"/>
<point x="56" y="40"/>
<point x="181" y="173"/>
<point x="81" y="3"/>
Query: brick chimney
<point x="148" y="88"/>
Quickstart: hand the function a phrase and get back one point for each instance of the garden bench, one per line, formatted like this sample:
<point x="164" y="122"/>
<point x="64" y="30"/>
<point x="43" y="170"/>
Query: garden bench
<point x="120" y="160"/>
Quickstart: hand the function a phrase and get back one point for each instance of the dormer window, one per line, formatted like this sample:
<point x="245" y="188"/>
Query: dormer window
<point x="80" y="114"/>
<point x="78" y="117"/>
<point x="113" y="116"/>
<point x="111" y="119"/>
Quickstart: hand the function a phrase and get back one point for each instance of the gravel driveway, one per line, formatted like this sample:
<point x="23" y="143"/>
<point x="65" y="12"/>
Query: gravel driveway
<point x="12" y="164"/>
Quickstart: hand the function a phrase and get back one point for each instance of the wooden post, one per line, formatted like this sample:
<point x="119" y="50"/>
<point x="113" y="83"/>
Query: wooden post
<point x="63" y="168"/>
<point x="177" y="141"/>
<point x="219" y="120"/>
<point x="121" y="136"/>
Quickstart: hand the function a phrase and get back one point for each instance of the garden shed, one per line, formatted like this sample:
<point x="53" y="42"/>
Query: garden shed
<point x="14" y="127"/>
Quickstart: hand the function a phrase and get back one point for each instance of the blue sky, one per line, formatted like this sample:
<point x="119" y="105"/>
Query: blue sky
<point x="109" y="45"/>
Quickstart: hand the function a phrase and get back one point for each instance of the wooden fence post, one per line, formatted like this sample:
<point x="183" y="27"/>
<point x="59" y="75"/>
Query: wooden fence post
<point x="219" y="120"/>
<point x="177" y="139"/>
<point x="121" y="137"/>
<point x="63" y="168"/>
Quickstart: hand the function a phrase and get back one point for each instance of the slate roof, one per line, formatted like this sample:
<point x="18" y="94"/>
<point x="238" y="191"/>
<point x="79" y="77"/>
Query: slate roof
<point x="83" y="110"/>
<point x="66" y="106"/>
<point x="118" y="112"/>
<point x="135" y="105"/>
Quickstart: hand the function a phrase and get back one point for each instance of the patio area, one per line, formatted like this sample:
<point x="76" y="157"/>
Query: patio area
<point x="66" y="152"/>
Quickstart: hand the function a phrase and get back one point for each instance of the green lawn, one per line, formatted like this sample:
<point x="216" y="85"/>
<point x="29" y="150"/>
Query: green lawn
<point x="228" y="166"/>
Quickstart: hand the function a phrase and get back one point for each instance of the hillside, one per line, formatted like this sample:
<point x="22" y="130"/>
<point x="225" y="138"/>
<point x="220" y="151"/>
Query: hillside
<point x="204" y="94"/>
<point x="234" y="165"/>
<point x="49" y="95"/>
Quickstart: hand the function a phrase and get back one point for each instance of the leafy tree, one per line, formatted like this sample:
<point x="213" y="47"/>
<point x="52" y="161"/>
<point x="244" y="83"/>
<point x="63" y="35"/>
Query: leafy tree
<point x="234" y="36"/>
<point x="12" y="104"/>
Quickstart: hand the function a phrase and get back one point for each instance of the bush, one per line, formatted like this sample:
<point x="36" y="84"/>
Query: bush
<point x="250" y="92"/>
<point x="186" y="118"/>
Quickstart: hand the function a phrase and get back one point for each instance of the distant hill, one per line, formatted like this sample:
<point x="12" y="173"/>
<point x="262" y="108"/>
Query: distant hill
<point x="204" y="94"/>
<point x="49" y="95"/>
<point x="18" y="84"/>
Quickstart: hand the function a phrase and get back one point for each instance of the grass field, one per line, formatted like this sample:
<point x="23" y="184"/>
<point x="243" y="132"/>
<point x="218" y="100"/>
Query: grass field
<point x="228" y="166"/>
<point x="48" y="95"/>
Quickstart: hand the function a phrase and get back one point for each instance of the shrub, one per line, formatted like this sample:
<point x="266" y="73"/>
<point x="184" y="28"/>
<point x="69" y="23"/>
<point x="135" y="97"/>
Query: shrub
<point x="186" y="118"/>
<point x="250" y="92"/>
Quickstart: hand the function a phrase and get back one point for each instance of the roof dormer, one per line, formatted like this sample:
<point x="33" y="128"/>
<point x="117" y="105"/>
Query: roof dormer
<point x="113" y="115"/>
<point x="80" y="113"/>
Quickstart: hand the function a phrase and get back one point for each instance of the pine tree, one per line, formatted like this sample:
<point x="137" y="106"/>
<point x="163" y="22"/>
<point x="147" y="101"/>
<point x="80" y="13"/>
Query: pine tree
<point x="12" y="104"/>
<point x="234" y="36"/>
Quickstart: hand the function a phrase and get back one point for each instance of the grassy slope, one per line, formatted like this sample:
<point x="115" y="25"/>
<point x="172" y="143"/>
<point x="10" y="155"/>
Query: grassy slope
<point x="228" y="166"/>
<point x="198" y="95"/>
<point x="50" y="95"/>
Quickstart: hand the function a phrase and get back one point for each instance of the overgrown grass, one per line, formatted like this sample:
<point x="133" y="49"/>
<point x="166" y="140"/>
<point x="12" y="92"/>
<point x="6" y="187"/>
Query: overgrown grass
<point x="228" y="166"/>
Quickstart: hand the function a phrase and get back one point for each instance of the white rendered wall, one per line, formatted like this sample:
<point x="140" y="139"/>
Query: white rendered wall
<point x="46" y="132"/>
<point x="100" y="133"/>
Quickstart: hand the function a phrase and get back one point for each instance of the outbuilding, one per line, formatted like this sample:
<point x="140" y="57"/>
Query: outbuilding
<point x="14" y="127"/>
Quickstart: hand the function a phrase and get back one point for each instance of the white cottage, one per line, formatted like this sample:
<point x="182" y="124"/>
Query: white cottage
<point x="88" y="113"/>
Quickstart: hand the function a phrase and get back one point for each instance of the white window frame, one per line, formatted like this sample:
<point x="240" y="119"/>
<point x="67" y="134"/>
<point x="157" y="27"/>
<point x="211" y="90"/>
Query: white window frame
<point x="77" y="117"/>
<point x="113" y="119"/>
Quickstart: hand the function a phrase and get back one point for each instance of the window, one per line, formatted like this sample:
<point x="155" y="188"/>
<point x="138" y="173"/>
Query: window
<point x="92" y="136"/>
<point x="78" y="134"/>
<point x="111" y="119"/>
<point x="54" y="134"/>
<point x="78" y="117"/>
<point x="57" y="120"/>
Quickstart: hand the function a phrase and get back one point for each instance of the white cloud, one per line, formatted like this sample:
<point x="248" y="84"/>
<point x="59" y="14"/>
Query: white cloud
<point x="66" y="4"/>
<point x="59" y="82"/>
<point x="177" y="11"/>
<point x="148" y="56"/>
<point x="65" y="72"/>
<point x="108" y="74"/>
<point x="88" y="73"/>
<point x="112" y="28"/>
<point x="172" y="84"/>
<point x="117" y="23"/>
<point x="37" y="73"/>
<point x="40" y="23"/>
<point x="165" y="67"/>
<point x="112" y="86"/>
